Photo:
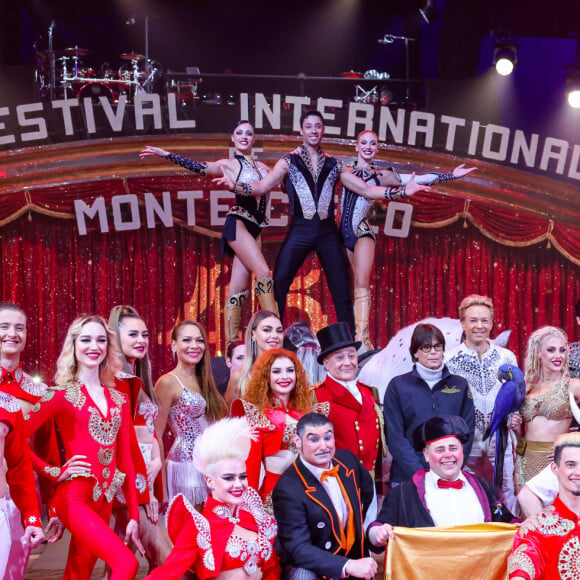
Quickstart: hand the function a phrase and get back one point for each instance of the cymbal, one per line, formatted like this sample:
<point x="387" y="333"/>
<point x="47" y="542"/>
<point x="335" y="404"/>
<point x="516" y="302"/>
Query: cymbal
<point x="132" y="56"/>
<point x="76" y="51"/>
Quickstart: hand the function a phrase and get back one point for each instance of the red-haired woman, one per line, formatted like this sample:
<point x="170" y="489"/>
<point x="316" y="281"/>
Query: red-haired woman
<point x="94" y="420"/>
<point x="277" y="396"/>
<point x="188" y="402"/>
<point x="357" y="235"/>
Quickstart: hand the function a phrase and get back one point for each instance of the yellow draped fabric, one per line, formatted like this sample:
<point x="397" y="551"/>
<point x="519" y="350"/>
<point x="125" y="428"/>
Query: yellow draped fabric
<point x="477" y="552"/>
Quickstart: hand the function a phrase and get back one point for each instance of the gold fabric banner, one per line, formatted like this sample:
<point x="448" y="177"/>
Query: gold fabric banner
<point x="457" y="553"/>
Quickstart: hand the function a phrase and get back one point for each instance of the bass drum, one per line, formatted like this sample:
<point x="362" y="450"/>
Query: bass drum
<point x="95" y="90"/>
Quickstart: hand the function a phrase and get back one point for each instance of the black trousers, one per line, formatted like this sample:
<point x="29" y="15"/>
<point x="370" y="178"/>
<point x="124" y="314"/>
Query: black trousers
<point x="322" y="237"/>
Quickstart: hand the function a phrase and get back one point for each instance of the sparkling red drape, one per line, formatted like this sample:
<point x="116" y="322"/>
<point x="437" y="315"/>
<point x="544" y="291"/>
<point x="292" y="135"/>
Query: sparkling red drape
<point x="168" y="273"/>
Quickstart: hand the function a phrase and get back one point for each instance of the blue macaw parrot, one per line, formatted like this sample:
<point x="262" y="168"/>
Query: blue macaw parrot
<point x="509" y="399"/>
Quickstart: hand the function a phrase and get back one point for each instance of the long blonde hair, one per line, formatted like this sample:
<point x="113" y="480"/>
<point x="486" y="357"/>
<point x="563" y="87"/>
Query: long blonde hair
<point x="67" y="365"/>
<point x="532" y="363"/>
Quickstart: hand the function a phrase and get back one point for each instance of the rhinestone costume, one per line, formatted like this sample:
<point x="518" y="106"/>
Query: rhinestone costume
<point x="248" y="207"/>
<point x="273" y="450"/>
<point x="354" y="209"/>
<point x="553" y="404"/>
<point x="187" y="422"/>
<point x="533" y="456"/>
<point x="19" y="475"/>
<point x="21" y="385"/>
<point x="482" y="378"/>
<point x="547" y="546"/>
<point x="312" y="186"/>
<point x="103" y="438"/>
<point x="208" y="544"/>
<point x="144" y="411"/>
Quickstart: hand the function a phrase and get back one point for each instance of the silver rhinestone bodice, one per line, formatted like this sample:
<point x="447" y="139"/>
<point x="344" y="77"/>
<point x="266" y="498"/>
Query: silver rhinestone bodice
<point x="187" y="421"/>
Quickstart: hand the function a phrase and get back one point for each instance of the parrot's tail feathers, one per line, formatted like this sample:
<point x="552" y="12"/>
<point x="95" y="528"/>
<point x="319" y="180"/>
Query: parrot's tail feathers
<point x="501" y="440"/>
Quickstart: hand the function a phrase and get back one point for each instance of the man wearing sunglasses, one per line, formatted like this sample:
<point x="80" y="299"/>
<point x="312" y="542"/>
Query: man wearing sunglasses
<point x="428" y="391"/>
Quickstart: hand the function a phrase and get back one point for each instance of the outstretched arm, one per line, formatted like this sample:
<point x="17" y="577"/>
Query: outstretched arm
<point x="210" y="168"/>
<point x="389" y="188"/>
<point x="431" y="178"/>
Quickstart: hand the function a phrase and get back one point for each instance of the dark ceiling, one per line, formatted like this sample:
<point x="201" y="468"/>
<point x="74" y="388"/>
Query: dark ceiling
<point x="266" y="36"/>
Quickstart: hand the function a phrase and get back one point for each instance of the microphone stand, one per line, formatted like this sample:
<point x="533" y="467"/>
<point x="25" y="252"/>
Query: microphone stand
<point x="51" y="61"/>
<point x="389" y="39"/>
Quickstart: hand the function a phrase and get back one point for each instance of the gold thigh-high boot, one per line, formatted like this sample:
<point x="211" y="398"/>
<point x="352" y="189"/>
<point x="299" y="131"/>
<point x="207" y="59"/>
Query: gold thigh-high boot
<point x="233" y="316"/>
<point x="265" y="294"/>
<point x="362" y="308"/>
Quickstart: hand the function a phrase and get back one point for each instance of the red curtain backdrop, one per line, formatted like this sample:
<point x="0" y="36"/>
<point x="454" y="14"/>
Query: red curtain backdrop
<point x="169" y="273"/>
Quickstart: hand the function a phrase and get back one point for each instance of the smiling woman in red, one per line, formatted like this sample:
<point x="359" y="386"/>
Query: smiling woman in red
<point x="95" y="424"/>
<point x="278" y="395"/>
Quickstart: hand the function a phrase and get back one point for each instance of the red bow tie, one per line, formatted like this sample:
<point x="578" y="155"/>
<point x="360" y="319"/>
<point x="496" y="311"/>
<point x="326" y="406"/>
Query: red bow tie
<point x="333" y="472"/>
<point x="443" y="484"/>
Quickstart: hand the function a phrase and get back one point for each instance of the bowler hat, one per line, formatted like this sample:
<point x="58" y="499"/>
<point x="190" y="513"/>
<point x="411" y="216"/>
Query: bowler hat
<point x="438" y="428"/>
<point x="333" y="338"/>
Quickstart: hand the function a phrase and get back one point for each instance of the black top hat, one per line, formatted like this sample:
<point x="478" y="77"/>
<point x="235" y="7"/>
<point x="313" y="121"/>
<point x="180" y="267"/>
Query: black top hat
<point x="333" y="338"/>
<point x="439" y="427"/>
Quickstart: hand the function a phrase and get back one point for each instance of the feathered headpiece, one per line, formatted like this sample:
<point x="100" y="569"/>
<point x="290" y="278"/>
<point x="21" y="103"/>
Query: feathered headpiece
<point x="229" y="438"/>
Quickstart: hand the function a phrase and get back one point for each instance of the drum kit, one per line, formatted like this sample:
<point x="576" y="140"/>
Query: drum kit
<point x="373" y="95"/>
<point x="72" y="78"/>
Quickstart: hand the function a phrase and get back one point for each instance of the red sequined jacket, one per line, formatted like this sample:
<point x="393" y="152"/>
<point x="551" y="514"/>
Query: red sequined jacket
<point x="547" y="546"/>
<point x="19" y="476"/>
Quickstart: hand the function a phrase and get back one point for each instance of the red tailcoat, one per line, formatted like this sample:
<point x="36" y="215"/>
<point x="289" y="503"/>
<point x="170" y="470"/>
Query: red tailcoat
<point x="356" y="427"/>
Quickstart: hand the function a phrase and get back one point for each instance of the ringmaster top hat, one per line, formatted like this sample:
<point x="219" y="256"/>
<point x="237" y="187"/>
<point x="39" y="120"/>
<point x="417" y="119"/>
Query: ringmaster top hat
<point x="333" y="338"/>
<point x="438" y="428"/>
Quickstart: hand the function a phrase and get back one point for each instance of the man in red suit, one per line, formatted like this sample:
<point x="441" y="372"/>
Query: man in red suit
<point x="354" y="408"/>
<point x="19" y="476"/>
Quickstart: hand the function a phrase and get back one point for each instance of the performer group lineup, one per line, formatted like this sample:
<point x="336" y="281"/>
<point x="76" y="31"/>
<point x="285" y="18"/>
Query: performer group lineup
<point x="275" y="473"/>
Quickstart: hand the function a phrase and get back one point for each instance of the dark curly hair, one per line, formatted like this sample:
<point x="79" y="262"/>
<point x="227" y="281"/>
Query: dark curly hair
<point x="259" y="385"/>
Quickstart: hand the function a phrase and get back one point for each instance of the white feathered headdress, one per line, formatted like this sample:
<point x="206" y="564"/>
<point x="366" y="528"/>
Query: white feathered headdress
<point x="229" y="438"/>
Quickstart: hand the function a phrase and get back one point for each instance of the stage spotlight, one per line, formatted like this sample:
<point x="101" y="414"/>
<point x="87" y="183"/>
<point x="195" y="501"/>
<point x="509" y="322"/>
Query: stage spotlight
<point x="574" y="98"/>
<point x="504" y="57"/>
<point x="573" y="89"/>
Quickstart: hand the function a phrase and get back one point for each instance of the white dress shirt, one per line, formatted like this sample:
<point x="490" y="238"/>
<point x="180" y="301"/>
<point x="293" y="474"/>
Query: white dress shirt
<point x="452" y="507"/>
<point x="332" y="488"/>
